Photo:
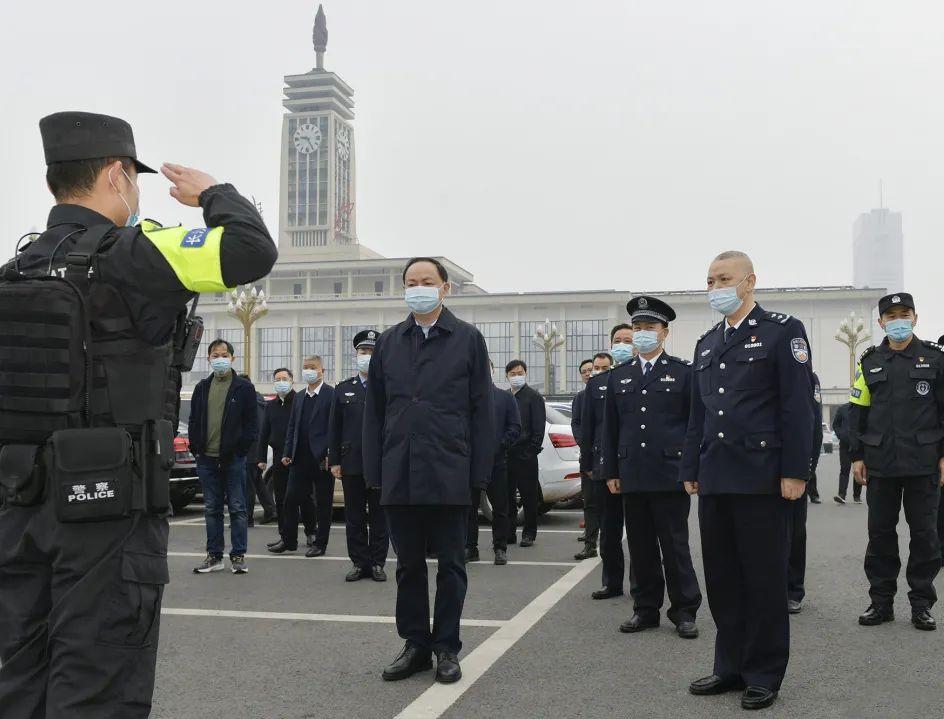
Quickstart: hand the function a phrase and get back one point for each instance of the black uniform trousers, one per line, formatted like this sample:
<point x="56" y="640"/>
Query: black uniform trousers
<point x="940" y="526"/>
<point x="305" y="476"/>
<point x="280" y="475"/>
<point x="920" y="497"/>
<point x="497" y="493"/>
<point x="412" y="529"/>
<point x="523" y="478"/>
<point x="256" y="487"/>
<point x="657" y="534"/>
<point x="611" y="539"/>
<point x="845" y="469"/>
<point x="744" y="548"/>
<point x="364" y="522"/>
<point x="796" y="531"/>
<point x="592" y="493"/>
<point x="80" y="612"/>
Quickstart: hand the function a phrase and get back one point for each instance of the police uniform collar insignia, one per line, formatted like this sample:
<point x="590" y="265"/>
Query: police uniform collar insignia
<point x="875" y="369"/>
<point x="626" y="381"/>
<point x="665" y="361"/>
<point x="752" y="322"/>
<point x="349" y="394"/>
<point x="706" y="352"/>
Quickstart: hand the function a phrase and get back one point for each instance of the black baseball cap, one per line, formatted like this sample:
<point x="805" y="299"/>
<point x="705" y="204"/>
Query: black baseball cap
<point x="902" y="299"/>
<point x="646" y="308"/>
<point x="71" y="136"/>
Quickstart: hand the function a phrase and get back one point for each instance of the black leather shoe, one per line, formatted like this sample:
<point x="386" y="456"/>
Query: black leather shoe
<point x="472" y="554"/>
<point x="922" y="619"/>
<point x="315" y="551"/>
<point x="410" y="661"/>
<point x="757" y="697"/>
<point x="637" y="623"/>
<point x="447" y="668"/>
<point x="272" y="544"/>
<point x="501" y="557"/>
<point x="876" y="615"/>
<point x="309" y="540"/>
<point x="813" y="500"/>
<point x="356" y="574"/>
<point x="378" y="574"/>
<point x="794" y="607"/>
<point x="713" y="684"/>
<point x="280" y="547"/>
<point x="588" y="552"/>
<point x="607" y="593"/>
<point x="687" y="630"/>
<point x="526" y="541"/>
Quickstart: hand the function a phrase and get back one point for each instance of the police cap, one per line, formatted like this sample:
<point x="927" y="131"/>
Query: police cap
<point x="366" y="338"/>
<point x="649" y="309"/>
<point x="902" y="299"/>
<point x="71" y="136"/>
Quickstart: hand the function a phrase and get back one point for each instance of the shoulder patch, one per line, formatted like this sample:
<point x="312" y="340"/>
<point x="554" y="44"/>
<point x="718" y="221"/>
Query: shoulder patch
<point x="709" y="331"/>
<point x="778" y="317"/>
<point x="800" y="350"/>
<point x="195" y="238"/>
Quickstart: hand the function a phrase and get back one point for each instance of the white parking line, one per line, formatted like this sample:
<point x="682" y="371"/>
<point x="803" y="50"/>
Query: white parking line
<point x="200" y="555"/>
<point x="200" y="522"/>
<point x="294" y="616"/>
<point x="434" y="702"/>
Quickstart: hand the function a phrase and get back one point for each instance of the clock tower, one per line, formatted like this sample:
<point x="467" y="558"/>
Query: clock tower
<point x="317" y="217"/>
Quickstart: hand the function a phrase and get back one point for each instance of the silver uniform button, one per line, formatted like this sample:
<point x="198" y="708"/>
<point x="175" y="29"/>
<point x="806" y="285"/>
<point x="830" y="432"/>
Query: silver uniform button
<point x="720" y="435"/>
<point x="642" y="426"/>
<point x="720" y="390"/>
<point x="720" y="412"/>
<point x="750" y="359"/>
<point x="642" y="444"/>
<point x="642" y="409"/>
<point x="722" y="365"/>
<point x="763" y="443"/>
<point x="645" y="391"/>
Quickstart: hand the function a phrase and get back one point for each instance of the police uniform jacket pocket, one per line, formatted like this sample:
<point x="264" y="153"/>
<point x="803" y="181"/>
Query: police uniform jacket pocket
<point x="90" y="474"/>
<point x="130" y="617"/>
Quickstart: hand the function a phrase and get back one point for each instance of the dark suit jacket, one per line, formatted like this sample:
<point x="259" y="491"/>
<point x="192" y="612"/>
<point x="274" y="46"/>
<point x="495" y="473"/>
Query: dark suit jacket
<point x="591" y="426"/>
<point x="533" y="414"/>
<point x="345" y="439"/>
<point x="429" y="434"/>
<point x="507" y="424"/>
<point x="316" y="433"/>
<point x="240" y="418"/>
<point x="576" y="408"/>
<point x="274" y="427"/>
<point x="841" y="424"/>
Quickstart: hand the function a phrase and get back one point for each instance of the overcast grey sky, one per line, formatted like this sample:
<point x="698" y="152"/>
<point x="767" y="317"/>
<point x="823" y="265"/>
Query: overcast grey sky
<point x="542" y="144"/>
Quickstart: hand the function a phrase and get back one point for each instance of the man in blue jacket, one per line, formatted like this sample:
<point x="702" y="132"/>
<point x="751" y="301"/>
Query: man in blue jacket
<point x="429" y="439"/>
<point x="507" y="430"/>
<point x="223" y="426"/>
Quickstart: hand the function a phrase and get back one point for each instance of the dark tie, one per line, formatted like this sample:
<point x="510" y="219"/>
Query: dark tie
<point x="645" y="370"/>
<point x="728" y="331"/>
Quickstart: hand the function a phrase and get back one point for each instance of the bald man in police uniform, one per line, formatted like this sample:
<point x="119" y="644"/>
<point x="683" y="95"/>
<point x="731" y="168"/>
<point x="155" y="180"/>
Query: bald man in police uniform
<point x="80" y="602"/>
<point x="646" y="416"/>
<point x="897" y="443"/>
<point x="367" y="541"/>
<point x="746" y="455"/>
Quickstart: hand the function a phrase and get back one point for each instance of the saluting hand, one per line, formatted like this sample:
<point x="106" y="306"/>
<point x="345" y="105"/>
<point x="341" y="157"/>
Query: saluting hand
<point x="859" y="472"/>
<point x="691" y="487"/>
<point x="792" y="488"/>
<point x="189" y="183"/>
<point x="613" y="485"/>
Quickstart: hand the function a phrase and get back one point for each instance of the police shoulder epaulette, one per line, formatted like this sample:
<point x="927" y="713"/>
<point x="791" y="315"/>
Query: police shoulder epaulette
<point x="678" y="359"/>
<point x="778" y="317"/>
<point x="932" y="345"/>
<point x="709" y="331"/>
<point x="867" y="352"/>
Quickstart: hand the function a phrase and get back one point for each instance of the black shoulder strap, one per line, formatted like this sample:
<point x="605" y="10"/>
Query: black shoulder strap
<point x="79" y="262"/>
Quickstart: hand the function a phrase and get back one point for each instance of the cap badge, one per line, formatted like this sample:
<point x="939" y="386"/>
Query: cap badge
<point x="643" y="302"/>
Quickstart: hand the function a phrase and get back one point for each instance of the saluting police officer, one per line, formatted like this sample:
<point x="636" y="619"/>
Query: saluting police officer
<point x="367" y="542"/>
<point x="897" y="430"/>
<point x="747" y="449"/>
<point x="647" y="409"/>
<point x="80" y="601"/>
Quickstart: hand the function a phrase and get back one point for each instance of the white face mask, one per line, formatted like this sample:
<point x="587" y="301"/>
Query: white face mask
<point x="518" y="381"/>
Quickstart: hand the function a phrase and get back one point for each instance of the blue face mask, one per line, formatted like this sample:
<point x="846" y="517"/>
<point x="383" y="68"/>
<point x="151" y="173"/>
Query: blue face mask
<point x="221" y="365"/>
<point x="622" y="352"/>
<point x="363" y="363"/>
<point x="422" y="300"/>
<point x="310" y="375"/>
<point x="899" y="330"/>
<point x="283" y="386"/>
<point x="646" y="341"/>
<point x="725" y="300"/>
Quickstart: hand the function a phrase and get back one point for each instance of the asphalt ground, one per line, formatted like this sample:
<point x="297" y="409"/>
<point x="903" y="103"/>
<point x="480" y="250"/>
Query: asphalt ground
<point x="292" y="640"/>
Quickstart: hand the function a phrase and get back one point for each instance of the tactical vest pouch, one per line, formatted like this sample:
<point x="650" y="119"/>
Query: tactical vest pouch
<point x="158" y="450"/>
<point x="21" y="475"/>
<point x="91" y="476"/>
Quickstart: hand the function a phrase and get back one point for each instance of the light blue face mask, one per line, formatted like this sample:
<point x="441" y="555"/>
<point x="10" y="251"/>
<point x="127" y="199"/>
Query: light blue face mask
<point x="221" y="365"/>
<point x="310" y="375"/>
<point x="646" y="341"/>
<point x="899" y="330"/>
<point x="622" y="352"/>
<point x="283" y="386"/>
<point x="422" y="300"/>
<point x="363" y="363"/>
<point x="725" y="299"/>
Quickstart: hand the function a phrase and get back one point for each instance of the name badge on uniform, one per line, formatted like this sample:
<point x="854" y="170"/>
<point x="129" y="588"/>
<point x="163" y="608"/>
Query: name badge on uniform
<point x="922" y="366"/>
<point x="752" y="345"/>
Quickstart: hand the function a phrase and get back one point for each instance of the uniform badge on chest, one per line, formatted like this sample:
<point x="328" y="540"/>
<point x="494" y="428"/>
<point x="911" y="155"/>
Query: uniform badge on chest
<point x="626" y="381"/>
<point x="667" y="378"/>
<point x="923" y="387"/>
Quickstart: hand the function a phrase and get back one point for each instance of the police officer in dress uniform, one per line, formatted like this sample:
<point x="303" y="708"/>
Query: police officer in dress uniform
<point x="747" y="450"/>
<point x="646" y="416"/>
<point x="80" y="600"/>
<point x="897" y="437"/>
<point x="592" y="490"/>
<point x="367" y="541"/>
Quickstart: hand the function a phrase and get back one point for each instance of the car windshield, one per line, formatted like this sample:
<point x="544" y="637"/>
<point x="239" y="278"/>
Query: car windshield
<point x="556" y="417"/>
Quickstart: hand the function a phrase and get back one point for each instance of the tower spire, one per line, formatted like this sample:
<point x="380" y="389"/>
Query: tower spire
<point x="320" y="37"/>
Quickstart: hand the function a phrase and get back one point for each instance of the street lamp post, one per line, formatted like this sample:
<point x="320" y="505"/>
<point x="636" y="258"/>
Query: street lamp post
<point x="852" y="333"/>
<point x="548" y="338"/>
<point x="247" y="308"/>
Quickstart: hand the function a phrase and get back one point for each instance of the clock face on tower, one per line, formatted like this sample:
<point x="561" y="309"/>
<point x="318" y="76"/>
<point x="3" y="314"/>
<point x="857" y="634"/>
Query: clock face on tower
<point x="344" y="143"/>
<point x="307" y="139"/>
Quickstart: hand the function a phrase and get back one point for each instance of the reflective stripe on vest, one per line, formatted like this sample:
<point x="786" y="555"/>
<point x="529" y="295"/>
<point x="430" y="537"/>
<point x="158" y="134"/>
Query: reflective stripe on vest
<point x="194" y="254"/>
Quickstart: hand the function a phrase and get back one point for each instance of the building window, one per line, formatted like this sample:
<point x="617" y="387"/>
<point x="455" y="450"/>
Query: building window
<point x="275" y="350"/>
<point x="584" y="338"/>
<point x="297" y="289"/>
<point x="319" y="341"/>
<point x="379" y="287"/>
<point x="337" y="288"/>
<point x="500" y="340"/>
<point x="348" y="353"/>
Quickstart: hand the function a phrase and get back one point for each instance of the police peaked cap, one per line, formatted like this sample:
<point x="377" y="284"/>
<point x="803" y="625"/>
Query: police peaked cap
<point x="649" y="309"/>
<point x="366" y="338"/>
<point x="899" y="298"/>
<point x="71" y="136"/>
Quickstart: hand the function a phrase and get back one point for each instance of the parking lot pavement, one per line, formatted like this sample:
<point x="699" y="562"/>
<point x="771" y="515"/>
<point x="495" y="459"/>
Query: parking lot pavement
<point x="291" y="639"/>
